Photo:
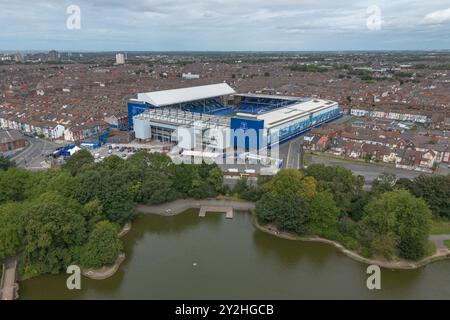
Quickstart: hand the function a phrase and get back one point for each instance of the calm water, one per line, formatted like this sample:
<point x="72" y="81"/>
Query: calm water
<point x="235" y="261"/>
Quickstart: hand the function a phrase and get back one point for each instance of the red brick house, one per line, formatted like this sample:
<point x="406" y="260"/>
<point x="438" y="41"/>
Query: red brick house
<point x="11" y="140"/>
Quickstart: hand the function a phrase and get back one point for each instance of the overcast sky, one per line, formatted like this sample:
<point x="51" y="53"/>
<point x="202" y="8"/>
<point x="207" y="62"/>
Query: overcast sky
<point x="250" y="25"/>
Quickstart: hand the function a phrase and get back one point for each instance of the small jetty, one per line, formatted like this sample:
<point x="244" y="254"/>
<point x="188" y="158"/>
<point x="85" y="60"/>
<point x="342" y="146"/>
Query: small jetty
<point x="227" y="210"/>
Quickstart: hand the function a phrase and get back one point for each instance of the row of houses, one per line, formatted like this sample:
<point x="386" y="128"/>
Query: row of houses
<point x="408" y="151"/>
<point x="391" y="115"/>
<point x="55" y="131"/>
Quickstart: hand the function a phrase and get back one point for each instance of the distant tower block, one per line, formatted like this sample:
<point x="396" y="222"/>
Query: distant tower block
<point x="120" y="58"/>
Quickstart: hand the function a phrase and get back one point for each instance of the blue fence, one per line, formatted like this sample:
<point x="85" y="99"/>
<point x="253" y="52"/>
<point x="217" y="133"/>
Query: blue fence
<point x="306" y="126"/>
<point x="135" y="108"/>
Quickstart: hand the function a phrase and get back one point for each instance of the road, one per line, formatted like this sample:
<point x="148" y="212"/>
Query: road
<point x="293" y="155"/>
<point x="32" y="156"/>
<point x="290" y="153"/>
<point x="369" y="171"/>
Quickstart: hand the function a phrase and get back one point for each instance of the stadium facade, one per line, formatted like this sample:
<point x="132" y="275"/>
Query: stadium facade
<point x="216" y="118"/>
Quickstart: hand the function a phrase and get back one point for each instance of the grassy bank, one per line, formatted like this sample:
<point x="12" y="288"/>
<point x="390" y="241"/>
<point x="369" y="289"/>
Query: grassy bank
<point x="440" y="227"/>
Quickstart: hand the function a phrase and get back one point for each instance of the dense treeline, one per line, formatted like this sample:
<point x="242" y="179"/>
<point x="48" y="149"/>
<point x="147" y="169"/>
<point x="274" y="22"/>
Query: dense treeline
<point x="72" y="215"/>
<point x="391" y="220"/>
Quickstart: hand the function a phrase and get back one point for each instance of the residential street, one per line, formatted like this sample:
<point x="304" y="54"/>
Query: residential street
<point x="369" y="171"/>
<point x="33" y="156"/>
<point x="289" y="152"/>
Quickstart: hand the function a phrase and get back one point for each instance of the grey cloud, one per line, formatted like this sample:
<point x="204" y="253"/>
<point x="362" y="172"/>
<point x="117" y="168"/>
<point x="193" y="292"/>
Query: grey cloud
<point x="221" y="24"/>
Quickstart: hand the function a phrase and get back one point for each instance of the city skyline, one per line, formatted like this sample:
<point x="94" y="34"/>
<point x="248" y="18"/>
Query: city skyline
<point x="217" y="25"/>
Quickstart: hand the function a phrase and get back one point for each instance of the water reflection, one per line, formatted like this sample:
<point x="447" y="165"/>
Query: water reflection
<point x="269" y="246"/>
<point x="187" y="257"/>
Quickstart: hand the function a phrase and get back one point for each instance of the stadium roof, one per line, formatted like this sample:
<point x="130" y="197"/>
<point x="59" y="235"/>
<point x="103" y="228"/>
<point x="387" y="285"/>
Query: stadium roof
<point x="175" y="96"/>
<point x="269" y="96"/>
<point x="283" y="115"/>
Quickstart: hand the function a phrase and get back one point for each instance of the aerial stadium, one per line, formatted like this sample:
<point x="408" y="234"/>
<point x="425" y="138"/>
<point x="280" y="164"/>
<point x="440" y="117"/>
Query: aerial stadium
<point x="216" y="118"/>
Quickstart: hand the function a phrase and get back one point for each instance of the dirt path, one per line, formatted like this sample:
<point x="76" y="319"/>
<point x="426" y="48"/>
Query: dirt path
<point x="178" y="206"/>
<point x="439" y="239"/>
<point x="440" y="254"/>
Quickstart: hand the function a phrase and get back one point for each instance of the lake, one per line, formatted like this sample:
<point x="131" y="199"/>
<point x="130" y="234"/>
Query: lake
<point x="187" y="257"/>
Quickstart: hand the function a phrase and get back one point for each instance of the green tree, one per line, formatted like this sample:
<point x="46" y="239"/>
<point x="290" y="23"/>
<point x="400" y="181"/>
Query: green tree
<point x="6" y="163"/>
<point x="241" y="186"/>
<point x="204" y="169"/>
<point x="111" y="189"/>
<point x="111" y="163"/>
<point x="286" y="199"/>
<point x="13" y="184"/>
<point x="345" y="187"/>
<point x="103" y="246"/>
<point x="435" y="190"/>
<point x="151" y="177"/>
<point x="245" y="191"/>
<point x="215" y="179"/>
<point x="293" y="182"/>
<point x="79" y="161"/>
<point x="11" y="229"/>
<point x="199" y="189"/>
<point x="384" y="183"/>
<point x="155" y="162"/>
<point x="288" y="212"/>
<point x="87" y="186"/>
<point x="399" y="214"/>
<point x="379" y="218"/>
<point x="385" y="246"/>
<point x="53" y="225"/>
<point x="184" y="175"/>
<point x="156" y="188"/>
<point x="92" y="213"/>
<point x="50" y="180"/>
<point x="323" y="215"/>
<point x="359" y="202"/>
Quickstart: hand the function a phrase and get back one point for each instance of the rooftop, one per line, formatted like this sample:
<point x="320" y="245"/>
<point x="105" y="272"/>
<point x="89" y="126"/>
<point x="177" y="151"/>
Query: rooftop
<point x="267" y="96"/>
<point x="10" y="136"/>
<point x="294" y="111"/>
<point x="175" y="96"/>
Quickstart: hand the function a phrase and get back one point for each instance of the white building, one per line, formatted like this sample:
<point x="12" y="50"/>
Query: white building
<point x="190" y="76"/>
<point x="120" y="58"/>
<point x="199" y="117"/>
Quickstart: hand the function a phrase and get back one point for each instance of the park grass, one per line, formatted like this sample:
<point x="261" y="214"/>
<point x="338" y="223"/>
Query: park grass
<point x="440" y="227"/>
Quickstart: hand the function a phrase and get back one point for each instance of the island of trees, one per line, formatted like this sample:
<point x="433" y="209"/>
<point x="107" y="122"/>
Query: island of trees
<point x="72" y="215"/>
<point x="391" y="221"/>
